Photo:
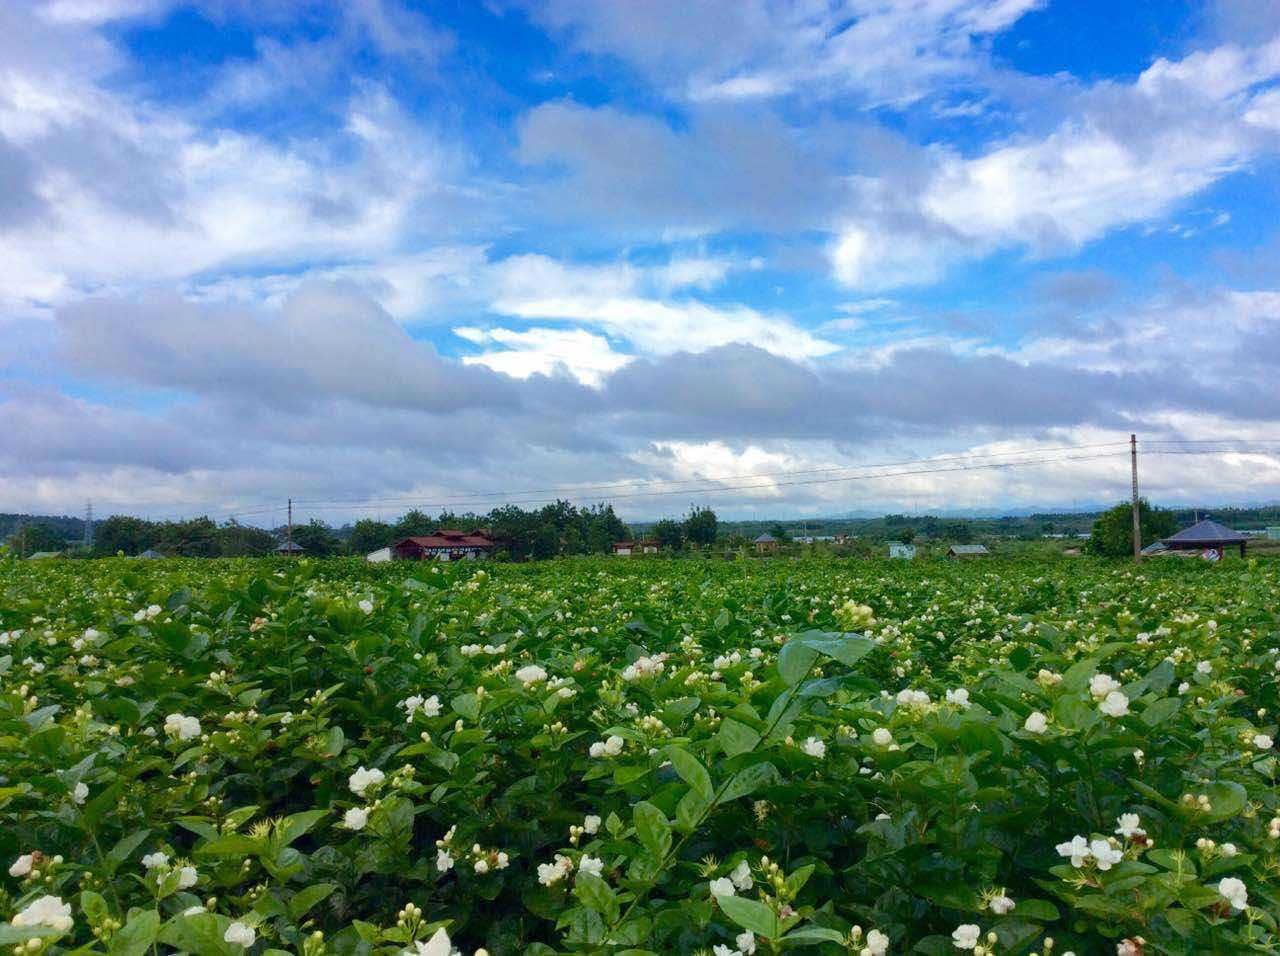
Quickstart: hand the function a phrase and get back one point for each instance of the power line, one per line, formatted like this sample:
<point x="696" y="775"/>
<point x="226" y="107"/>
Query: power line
<point x="779" y="484"/>
<point x="585" y="489"/>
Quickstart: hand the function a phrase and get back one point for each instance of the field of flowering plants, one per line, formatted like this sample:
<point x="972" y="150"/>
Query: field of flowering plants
<point x="631" y="757"/>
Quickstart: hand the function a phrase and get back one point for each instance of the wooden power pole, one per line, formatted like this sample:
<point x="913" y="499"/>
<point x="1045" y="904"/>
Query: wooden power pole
<point x="288" y="535"/>
<point x="1137" y="521"/>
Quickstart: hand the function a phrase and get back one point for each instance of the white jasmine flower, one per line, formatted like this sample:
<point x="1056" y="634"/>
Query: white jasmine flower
<point x="1036" y="723"/>
<point x="607" y="748"/>
<point x="238" y="934"/>
<point x="959" y="697"/>
<point x="1104" y="854"/>
<point x="1077" y="848"/>
<point x="722" y="886"/>
<point x="22" y="865"/>
<point x="437" y="945"/>
<point x="965" y="936"/>
<point x="1115" y="704"/>
<point x="1204" y="667"/>
<point x="52" y="912"/>
<point x="882" y="737"/>
<point x="184" y="728"/>
<point x="154" y="861"/>
<point x="746" y="943"/>
<point x="356" y="818"/>
<point x="79" y="793"/>
<point x="590" y="864"/>
<point x="814" y="748"/>
<point x="366" y="606"/>
<point x="877" y="943"/>
<point x="188" y="877"/>
<point x="1263" y="741"/>
<point x="591" y="824"/>
<point x="362" y="779"/>
<point x="1001" y="904"/>
<point x="741" y="876"/>
<point x="1100" y="685"/>
<point x="1234" y="892"/>
<point x="531" y="674"/>
<point x="1127" y="825"/>
<point x="444" y="862"/>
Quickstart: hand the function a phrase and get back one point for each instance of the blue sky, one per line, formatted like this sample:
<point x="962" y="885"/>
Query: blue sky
<point x="378" y="253"/>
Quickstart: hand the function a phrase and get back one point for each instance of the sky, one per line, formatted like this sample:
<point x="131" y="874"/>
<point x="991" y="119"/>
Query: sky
<point x="782" y="259"/>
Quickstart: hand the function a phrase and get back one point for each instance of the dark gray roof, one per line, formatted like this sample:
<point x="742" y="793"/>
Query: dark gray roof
<point x="1206" y="532"/>
<point x="969" y="549"/>
<point x="765" y="538"/>
<point x="289" y="546"/>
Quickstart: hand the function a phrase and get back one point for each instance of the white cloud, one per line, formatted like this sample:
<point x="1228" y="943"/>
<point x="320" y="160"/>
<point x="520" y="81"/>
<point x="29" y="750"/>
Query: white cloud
<point x="537" y="288"/>
<point x="588" y="358"/>
<point x="1127" y="155"/>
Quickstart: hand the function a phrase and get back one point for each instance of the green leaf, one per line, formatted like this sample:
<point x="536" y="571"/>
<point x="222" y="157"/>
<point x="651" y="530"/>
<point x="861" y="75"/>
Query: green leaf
<point x="303" y="900"/>
<point x="750" y="914"/>
<point x="813" y="936"/>
<point x="690" y="809"/>
<point x="137" y="935"/>
<point x="297" y="824"/>
<point x="596" y="894"/>
<point x="94" y="906"/>
<point x="652" y="829"/>
<point x="1160" y="711"/>
<point x="691" y="771"/>
<point x="736" y="737"/>
<point x="467" y="705"/>
<point x="794" y="661"/>
<point x="746" y="782"/>
<point x="121" y="851"/>
<point x="847" y="648"/>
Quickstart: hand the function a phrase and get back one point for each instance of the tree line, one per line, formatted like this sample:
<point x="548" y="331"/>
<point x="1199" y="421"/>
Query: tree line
<point x="555" y="529"/>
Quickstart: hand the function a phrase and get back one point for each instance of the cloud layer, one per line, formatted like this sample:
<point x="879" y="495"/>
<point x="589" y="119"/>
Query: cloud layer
<point x="374" y="254"/>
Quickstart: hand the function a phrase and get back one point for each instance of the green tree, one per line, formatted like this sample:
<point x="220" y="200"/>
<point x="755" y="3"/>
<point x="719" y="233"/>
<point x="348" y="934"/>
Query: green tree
<point x="413" y="524"/>
<point x="1112" y="534"/>
<point x="37" y="536"/>
<point x="669" y="534"/>
<point x="700" y="526"/>
<point x="122" y="533"/>
<point x="235" y="540"/>
<point x="316" y="539"/>
<point x="369" y="535"/>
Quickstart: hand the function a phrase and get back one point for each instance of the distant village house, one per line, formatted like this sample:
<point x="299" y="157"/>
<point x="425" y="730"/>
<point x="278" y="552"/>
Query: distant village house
<point x="964" y="551"/>
<point x="766" y="544"/>
<point x="623" y="548"/>
<point x="903" y="552"/>
<point x="444" y="545"/>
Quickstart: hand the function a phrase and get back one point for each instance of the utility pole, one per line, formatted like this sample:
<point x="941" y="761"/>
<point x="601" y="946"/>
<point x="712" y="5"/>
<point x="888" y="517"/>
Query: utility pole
<point x="88" y="525"/>
<point x="1137" y="522"/>
<point x="288" y="535"/>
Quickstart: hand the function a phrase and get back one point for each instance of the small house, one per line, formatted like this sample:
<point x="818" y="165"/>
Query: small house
<point x="1206" y="535"/>
<point x="43" y="555"/>
<point x="963" y="551"/>
<point x="766" y="544"/>
<point x="646" y="546"/>
<point x="151" y="554"/>
<point x="901" y="551"/>
<point x="381" y="556"/>
<point x="444" y="545"/>
<point x="290" y="549"/>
